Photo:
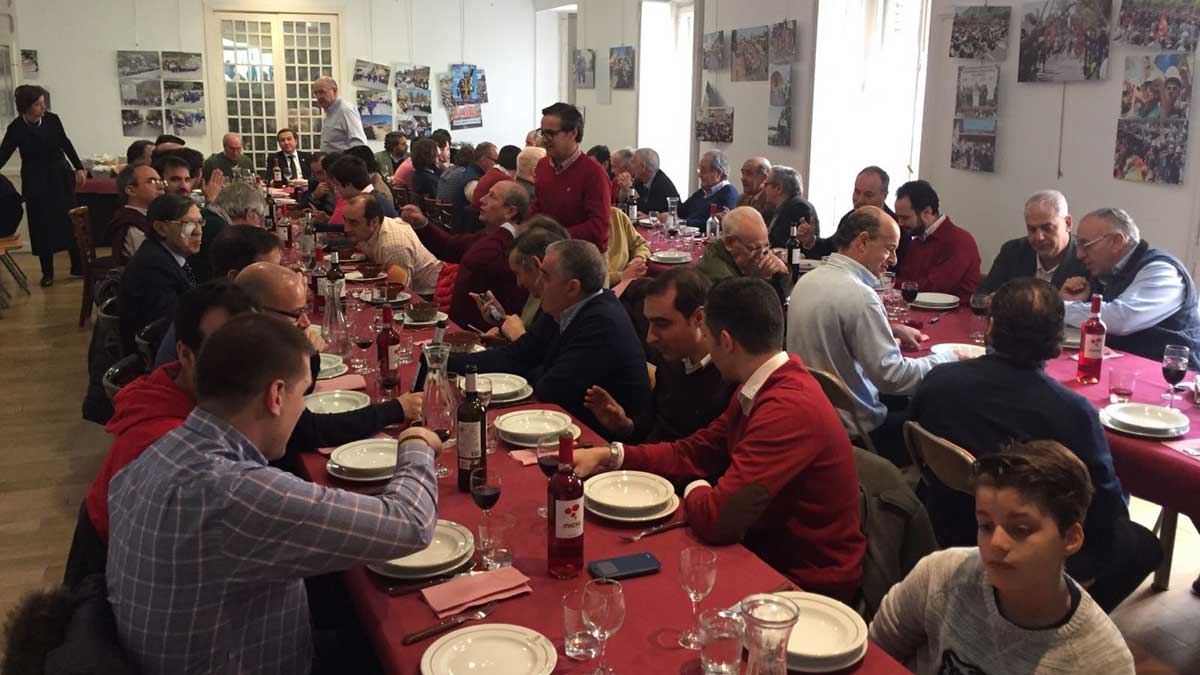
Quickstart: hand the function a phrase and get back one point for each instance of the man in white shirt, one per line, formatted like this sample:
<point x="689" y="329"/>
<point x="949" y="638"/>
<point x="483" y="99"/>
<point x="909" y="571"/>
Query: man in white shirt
<point x="342" y="128"/>
<point x="391" y="242"/>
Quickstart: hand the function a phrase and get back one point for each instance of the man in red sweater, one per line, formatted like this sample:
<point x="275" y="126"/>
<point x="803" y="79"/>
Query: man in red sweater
<point x="788" y="488"/>
<point x="572" y="188"/>
<point x="942" y="257"/>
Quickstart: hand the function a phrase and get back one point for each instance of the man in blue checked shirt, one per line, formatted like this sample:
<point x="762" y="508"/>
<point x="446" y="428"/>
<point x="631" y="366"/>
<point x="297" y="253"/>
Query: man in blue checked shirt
<point x="209" y="545"/>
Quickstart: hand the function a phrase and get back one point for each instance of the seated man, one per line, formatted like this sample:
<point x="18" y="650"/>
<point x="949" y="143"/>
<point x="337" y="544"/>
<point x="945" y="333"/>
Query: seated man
<point x="138" y="185"/>
<point x="785" y="196"/>
<point x="1149" y="296"/>
<point x="202" y="504"/>
<point x="350" y="176"/>
<point x="395" y="151"/>
<point x="628" y="250"/>
<point x="293" y="163"/>
<point x="1007" y="606"/>
<point x="942" y="257"/>
<point x="527" y="163"/>
<point x="754" y="176"/>
<point x="986" y="403"/>
<point x="621" y="180"/>
<point x="391" y="242"/>
<point x="652" y="185"/>
<point x="1047" y="251"/>
<point x="238" y="204"/>
<point x="715" y="190"/>
<point x="505" y="168"/>
<point x="837" y="323"/>
<point x="140" y="151"/>
<point x="689" y="392"/>
<point x="229" y="159"/>
<point x="583" y="338"/>
<point x="319" y="197"/>
<point x="525" y="255"/>
<point x="788" y="488"/>
<point x="870" y="189"/>
<point x="743" y="250"/>
<point x="486" y="156"/>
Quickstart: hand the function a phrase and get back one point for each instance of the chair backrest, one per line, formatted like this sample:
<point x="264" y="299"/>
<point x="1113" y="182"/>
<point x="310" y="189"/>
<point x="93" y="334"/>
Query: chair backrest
<point x="938" y="458"/>
<point x="122" y="373"/>
<point x="149" y="337"/>
<point x="81" y="222"/>
<point x="841" y="398"/>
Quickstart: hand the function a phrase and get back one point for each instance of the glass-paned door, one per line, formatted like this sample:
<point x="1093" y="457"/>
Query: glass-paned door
<point x="266" y="64"/>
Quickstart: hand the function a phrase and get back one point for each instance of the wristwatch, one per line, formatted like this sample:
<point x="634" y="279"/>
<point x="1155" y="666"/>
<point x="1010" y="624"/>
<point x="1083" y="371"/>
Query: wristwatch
<point x="615" y="452"/>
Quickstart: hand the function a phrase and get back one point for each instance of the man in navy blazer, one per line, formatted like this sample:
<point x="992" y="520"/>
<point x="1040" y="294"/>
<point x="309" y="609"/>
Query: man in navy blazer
<point x="715" y="189"/>
<point x="583" y="338"/>
<point x="1046" y="252"/>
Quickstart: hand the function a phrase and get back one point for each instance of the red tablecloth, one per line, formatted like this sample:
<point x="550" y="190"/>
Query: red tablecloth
<point x="659" y="241"/>
<point x="656" y="606"/>
<point x="1147" y="468"/>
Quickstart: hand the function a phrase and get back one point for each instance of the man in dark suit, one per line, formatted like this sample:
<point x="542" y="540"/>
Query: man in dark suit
<point x="1046" y="252"/>
<point x="785" y="193"/>
<point x="584" y="338"/>
<point x="653" y="186"/>
<point x="871" y="189"/>
<point x="292" y="162"/>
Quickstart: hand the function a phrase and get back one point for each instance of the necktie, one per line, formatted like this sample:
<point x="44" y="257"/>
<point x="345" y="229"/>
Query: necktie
<point x="187" y="272"/>
<point x="295" y="170"/>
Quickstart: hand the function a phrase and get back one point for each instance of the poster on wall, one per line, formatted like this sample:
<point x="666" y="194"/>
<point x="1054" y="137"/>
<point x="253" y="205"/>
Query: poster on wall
<point x="973" y="146"/>
<point x="483" y="97"/>
<point x="416" y="126"/>
<point x="978" y="91"/>
<point x="779" y="125"/>
<point x="412" y="89"/>
<point x="370" y="75"/>
<point x="133" y="65"/>
<point x="183" y="94"/>
<point x="182" y="65"/>
<point x="780" y="84"/>
<point x="716" y="51"/>
<point x="1159" y="24"/>
<point x="1151" y="151"/>
<point x="375" y="109"/>
<point x="1157" y="86"/>
<point x="29" y="64"/>
<point x="980" y="32"/>
<point x="585" y="69"/>
<point x="466" y="117"/>
<point x="464" y="84"/>
<point x="749" y="48"/>
<point x="714" y="125"/>
<point x="1064" y="40"/>
<point x="712" y="97"/>
<point x="186" y="122"/>
<point x="414" y="76"/>
<point x="141" y="93"/>
<point x="621" y="70"/>
<point x="141" y="123"/>
<point x="783" y="45"/>
<point x="443" y="80"/>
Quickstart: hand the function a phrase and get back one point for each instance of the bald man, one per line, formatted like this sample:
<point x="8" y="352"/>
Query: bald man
<point x="229" y="158"/>
<point x="744" y="251"/>
<point x="754" y="176"/>
<point x="342" y="128"/>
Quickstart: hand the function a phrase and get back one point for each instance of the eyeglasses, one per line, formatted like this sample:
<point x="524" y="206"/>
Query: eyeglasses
<point x="761" y="249"/>
<point x="1088" y="244"/>
<point x="156" y="181"/>
<point x="549" y="133"/>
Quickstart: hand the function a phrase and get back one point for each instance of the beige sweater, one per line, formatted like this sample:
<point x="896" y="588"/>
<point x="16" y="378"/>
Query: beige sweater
<point x="624" y="244"/>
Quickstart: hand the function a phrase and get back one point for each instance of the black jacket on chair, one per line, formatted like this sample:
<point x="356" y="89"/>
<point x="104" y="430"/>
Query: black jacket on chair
<point x="1018" y="259"/>
<point x="302" y="157"/>
<point x="150" y="289"/>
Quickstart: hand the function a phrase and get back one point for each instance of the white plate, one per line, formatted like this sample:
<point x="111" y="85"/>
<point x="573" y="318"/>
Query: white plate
<point x="806" y="264"/>
<point x="402" y="297"/>
<point x="504" y="385"/>
<point x="332" y="469"/>
<point x="285" y="201"/>
<point x="1071" y="341"/>
<point x="947" y="347"/>
<point x="671" y="260"/>
<point x="452" y="544"/>
<point x="441" y="316"/>
<point x="575" y="434"/>
<point x="620" y="518"/>
<point x="519" y="396"/>
<point x="628" y="492"/>
<point x="336" y="401"/>
<point x="531" y="425"/>
<point x="827" y="630"/>
<point x="358" y="276"/>
<point x="1146" y="418"/>
<point x="803" y="665"/>
<point x="330" y="360"/>
<point x="937" y="299"/>
<point x="1109" y="423"/>
<point x="490" y="649"/>
<point x="336" y="371"/>
<point x="357" y="257"/>
<point x="373" y="455"/>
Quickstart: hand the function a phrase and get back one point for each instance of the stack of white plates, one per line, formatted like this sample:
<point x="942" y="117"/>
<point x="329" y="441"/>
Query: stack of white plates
<point x="937" y="302"/>
<point x="450" y="549"/>
<point x="1141" y="419"/>
<point x="828" y="635"/>
<point x="528" y="427"/>
<point x="974" y="351"/>
<point x="630" y="496"/>
<point x="506" y="388"/>
<point x="336" y="401"/>
<point x="1071" y="338"/>
<point x="671" y="257"/>
<point x="331" y="366"/>
<point x="490" y="649"/>
<point x="363" y="461"/>
<point x="806" y="265"/>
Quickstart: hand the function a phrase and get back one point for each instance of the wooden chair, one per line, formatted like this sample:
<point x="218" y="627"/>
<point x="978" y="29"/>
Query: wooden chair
<point x="938" y="458"/>
<point x="7" y="246"/>
<point x="122" y="373"/>
<point x="94" y="267"/>
<point x="841" y="398"/>
<point x="150" y="337"/>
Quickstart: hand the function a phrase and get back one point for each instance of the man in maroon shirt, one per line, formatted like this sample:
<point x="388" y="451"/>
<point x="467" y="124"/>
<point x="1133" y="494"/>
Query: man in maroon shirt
<point x="942" y="257"/>
<point x="788" y="488"/>
<point x="572" y="188"/>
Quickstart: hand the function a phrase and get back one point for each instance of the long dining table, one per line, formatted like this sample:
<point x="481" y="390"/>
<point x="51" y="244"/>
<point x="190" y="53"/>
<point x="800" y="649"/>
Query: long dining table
<point x="657" y="608"/>
<point x="1147" y="468"/>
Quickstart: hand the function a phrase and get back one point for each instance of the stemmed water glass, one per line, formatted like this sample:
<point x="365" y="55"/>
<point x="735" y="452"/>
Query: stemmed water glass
<point x="1174" y="368"/>
<point x="697" y="574"/>
<point x="603" y="614"/>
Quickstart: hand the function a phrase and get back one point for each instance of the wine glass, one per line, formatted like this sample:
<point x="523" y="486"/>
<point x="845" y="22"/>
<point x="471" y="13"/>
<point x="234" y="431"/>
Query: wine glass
<point x="485" y="488"/>
<point x="603" y="614"/>
<point x="363" y="336"/>
<point x="1174" y="367"/>
<point x="980" y="304"/>
<point x="909" y="291"/>
<point x="483" y="388"/>
<point x="697" y="574"/>
<point x="547" y="459"/>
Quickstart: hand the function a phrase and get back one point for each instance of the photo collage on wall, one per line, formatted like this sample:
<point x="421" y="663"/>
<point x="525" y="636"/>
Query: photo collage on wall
<point x="754" y="54"/>
<point x="980" y="34"/>
<point x="372" y="98"/>
<point x="161" y="92"/>
<point x="1064" y="40"/>
<point x="414" y="100"/>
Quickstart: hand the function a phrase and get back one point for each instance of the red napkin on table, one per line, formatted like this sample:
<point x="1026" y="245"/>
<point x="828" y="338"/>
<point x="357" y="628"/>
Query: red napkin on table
<point x="330" y="449"/>
<point x="525" y="457"/>
<point x="351" y="381"/>
<point x="473" y="590"/>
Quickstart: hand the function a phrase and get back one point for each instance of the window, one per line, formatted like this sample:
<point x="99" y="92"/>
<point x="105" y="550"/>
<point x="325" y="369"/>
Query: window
<point x="267" y="64"/>
<point x="665" y="88"/>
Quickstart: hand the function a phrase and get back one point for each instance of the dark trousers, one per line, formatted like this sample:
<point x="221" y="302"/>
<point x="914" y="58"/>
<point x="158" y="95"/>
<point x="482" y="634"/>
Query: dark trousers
<point x="339" y="641"/>
<point x="1136" y="553"/>
<point x="88" y="554"/>
<point x="47" y="261"/>
<point x="889" y="436"/>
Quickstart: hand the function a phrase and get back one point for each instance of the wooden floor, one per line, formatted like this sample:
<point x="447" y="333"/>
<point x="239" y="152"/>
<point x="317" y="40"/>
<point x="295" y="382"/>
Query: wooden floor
<point x="49" y="456"/>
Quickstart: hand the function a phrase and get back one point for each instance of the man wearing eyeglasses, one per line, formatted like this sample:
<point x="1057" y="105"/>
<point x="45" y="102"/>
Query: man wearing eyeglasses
<point x="572" y="188"/>
<point x="139" y="184"/>
<point x="1149" y="297"/>
<point x="1046" y="252"/>
<point x="744" y="251"/>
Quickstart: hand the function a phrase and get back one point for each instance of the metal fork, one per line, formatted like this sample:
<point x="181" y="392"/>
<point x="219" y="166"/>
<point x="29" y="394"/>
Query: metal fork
<point x="653" y="530"/>
<point x="452" y="622"/>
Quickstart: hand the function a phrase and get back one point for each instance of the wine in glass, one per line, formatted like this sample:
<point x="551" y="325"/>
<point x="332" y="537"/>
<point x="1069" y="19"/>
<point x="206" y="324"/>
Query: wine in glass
<point x="485" y="489"/>
<point x="697" y="574"/>
<point x="909" y="291"/>
<point x="1174" y="368"/>
<point x="603" y="614"/>
<point x="547" y="459"/>
<point x="980" y="306"/>
<point x="363" y="336"/>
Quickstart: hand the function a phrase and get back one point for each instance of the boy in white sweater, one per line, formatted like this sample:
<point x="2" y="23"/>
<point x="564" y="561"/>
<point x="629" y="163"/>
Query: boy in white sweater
<point x="1007" y="606"/>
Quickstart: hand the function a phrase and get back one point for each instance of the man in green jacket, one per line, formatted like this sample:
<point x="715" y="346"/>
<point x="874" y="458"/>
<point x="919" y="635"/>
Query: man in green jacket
<point x="744" y="251"/>
<point x="229" y="158"/>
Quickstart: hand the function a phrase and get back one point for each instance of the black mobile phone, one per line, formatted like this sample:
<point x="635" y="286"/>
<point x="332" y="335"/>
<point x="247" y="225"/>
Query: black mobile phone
<point x="625" y="567"/>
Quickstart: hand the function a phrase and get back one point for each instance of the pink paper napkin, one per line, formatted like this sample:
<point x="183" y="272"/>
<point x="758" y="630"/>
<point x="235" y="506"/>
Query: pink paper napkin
<point x="525" y="457"/>
<point x="473" y="590"/>
<point x="329" y="450"/>
<point x="351" y="381"/>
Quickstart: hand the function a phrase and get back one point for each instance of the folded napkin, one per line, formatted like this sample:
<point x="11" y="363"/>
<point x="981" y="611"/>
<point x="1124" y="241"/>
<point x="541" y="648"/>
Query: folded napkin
<point x="525" y="457"/>
<point x="329" y="450"/>
<point x="473" y="590"/>
<point x="350" y="381"/>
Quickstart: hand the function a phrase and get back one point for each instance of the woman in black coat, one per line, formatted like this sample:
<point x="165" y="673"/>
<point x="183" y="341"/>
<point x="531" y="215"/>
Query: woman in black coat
<point x="47" y="183"/>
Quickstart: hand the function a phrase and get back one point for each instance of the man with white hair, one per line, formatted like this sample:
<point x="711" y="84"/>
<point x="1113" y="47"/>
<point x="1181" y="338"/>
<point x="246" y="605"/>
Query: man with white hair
<point x="1149" y="297"/>
<point x="527" y="161"/>
<point x="229" y="158"/>
<point x="715" y="190"/>
<point x="237" y="204"/>
<point x="1047" y="251"/>
<point x="754" y="176"/>
<point x="653" y="186"/>
<point x="784" y="190"/>
<point x="744" y="251"/>
<point x="622" y="181"/>
<point x="342" y="128"/>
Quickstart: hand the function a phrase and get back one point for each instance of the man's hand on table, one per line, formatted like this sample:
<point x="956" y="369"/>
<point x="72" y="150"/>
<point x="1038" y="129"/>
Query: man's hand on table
<point x="910" y="338"/>
<point x="422" y="434"/>
<point x="589" y="461"/>
<point x="1076" y="288"/>
<point x="411" y="403"/>
<point x="607" y="411"/>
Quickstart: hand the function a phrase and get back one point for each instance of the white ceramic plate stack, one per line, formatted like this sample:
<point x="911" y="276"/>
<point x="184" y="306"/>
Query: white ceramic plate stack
<point x="366" y="461"/>
<point x="946" y="347"/>
<point x="450" y="549"/>
<point x="1071" y="338"/>
<point x="1147" y="421"/>
<point x="828" y="636"/>
<point x="671" y="257"/>
<point x="506" y="388"/>
<point x="336" y="401"/>
<point x="331" y="366"/>
<point x="630" y="496"/>
<point x="527" y="427"/>
<point x="403" y="317"/>
<point x="490" y="649"/>
<point x="358" y="276"/>
<point x="938" y="302"/>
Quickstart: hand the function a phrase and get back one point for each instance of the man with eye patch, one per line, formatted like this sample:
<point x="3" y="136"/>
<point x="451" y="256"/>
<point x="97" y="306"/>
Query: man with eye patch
<point x="1047" y="251"/>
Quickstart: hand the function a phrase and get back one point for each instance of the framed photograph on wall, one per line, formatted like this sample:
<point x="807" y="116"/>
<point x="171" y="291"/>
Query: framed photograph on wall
<point x="584" y="69"/>
<point x="750" y="50"/>
<point x="621" y="67"/>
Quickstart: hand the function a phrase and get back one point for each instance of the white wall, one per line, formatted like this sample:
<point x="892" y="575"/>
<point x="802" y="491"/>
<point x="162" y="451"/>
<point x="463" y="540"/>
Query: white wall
<point x="601" y="24"/>
<point x="990" y="205"/>
<point x="548" y="54"/>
